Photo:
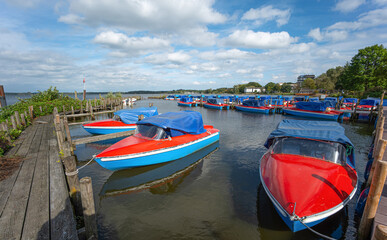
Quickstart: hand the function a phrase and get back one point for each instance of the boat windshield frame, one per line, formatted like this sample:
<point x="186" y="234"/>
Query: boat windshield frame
<point x="333" y="152"/>
<point x="150" y="132"/>
<point x="116" y="118"/>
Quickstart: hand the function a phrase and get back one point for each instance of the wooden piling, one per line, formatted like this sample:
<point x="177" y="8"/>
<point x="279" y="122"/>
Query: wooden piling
<point x="14" y="126"/>
<point x="75" y="95"/>
<point x="88" y="208"/>
<point x="59" y="133"/>
<point x="72" y="110"/>
<point x="71" y="172"/>
<point x="31" y="111"/>
<point x="3" y="100"/>
<point x="17" y="118"/>
<point x="373" y="198"/>
<point x="23" y="119"/>
<point x="378" y="155"/>
<point x="67" y="130"/>
<point x="380" y="232"/>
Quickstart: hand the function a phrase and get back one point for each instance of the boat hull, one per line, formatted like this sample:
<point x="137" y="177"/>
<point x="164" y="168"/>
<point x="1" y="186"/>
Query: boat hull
<point x="310" y="114"/>
<point x="191" y="104"/>
<point x="109" y="130"/>
<point x="265" y="110"/>
<point x="157" y="156"/>
<point x="219" y="107"/>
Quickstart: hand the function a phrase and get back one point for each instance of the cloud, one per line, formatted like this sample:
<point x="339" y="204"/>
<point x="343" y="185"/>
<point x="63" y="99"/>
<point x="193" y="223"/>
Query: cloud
<point x="369" y="19"/>
<point x="145" y="15"/>
<point x="132" y="45"/>
<point x="177" y="58"/>
<point x="199" y="37"/>
<point x="260" y="40"/>
<point x="23" y="3"/>
<point x="267" y="13"/>
<point x="348" y="5"/>
<point x="327" y="35"/>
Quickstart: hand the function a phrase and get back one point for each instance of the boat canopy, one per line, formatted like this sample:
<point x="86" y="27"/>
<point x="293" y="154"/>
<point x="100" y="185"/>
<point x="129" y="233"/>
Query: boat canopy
<point x="186" y="99"/>
<point x="314" y="99"/>
<point x="264" y="97"/>
<point x="130" y="116"/>
<point x="350" y="100"/>
<point x="288" y="98"/>
<point x="370" y="102"/>
<point x="186" y="121"/>
<point x="329" y="103"/>
<point x="311" y="106"/>
<point x="318" y="130"/>
<point x="253" y="103"/>
<point x="299" y="99"/>
<point x="331" y="99"/>
<point x="216" y="101"/>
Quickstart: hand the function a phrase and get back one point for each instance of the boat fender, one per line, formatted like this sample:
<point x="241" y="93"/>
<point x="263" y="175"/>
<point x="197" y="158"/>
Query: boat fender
<point x="361" y="202"/>
<point x="368" y="169"/>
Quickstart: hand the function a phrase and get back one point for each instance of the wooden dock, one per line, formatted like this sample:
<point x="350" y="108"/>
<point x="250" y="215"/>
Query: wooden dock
<point x="381" y="213"/>
<point x="34" y="200"/>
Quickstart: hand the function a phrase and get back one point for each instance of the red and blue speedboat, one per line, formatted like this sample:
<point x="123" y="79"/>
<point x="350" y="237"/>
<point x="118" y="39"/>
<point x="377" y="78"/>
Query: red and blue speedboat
<point x="216" y="103"/>
<point x="254" y="105"/>
<point x="123" y="120"/>
<point x="158" y="139"/>
<point x="321" y="110"/>
<point x="308" y="171"/>
<point x="187" y="102"/>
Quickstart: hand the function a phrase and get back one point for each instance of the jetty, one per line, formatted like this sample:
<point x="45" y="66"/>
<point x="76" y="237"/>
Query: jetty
<point x="34" y="200"/>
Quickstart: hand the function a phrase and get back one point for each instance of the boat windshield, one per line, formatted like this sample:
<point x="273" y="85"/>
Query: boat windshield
<point x="329" y="151"/>
<point x="116" y="118"/>
<point x="150" y="132"/>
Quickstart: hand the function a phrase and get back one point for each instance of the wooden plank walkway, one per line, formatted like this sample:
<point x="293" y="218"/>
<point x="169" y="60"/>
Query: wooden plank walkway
<point x="34" y="200"/>
<point x="381" y="213"/>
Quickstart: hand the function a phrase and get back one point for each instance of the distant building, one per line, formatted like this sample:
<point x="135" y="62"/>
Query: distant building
<point x="302" y="78"/>
<point x="254" y="90"/>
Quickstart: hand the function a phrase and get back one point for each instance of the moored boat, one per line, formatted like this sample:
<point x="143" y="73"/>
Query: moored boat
<point x="308" y="171"/>
<point x="319" y="110"/>
<point x="123" y="120"/>
<point x="216" y="103"/>
<point x="254" y="105"/>
<point x="158" y="139"/>
<point x="187" y="102"/>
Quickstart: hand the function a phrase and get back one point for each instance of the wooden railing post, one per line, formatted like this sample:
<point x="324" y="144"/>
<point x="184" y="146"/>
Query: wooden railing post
<point x="378" y="155"/>
<point x="88" y="208"/>
<point x="373" y="198"/>
<point x="14" y="126"/>
<point x="23" y="119"/>
<point x="17" y="118"/>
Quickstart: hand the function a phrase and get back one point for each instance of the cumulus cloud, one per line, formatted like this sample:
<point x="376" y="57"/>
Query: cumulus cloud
<point x="114" y="40"/>
<point x="145" y="15"/>
<point x="177" y="58"/>
<point x="334" y="35"/>
<point x="348" y="5"/>
<point x="260" y="40"/>
<point x="267" y="13"/>
<point x="199" y="37"/>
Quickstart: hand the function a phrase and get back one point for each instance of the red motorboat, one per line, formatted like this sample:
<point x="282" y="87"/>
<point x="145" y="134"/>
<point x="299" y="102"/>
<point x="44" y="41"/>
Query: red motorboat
<point x="309" y="171"/>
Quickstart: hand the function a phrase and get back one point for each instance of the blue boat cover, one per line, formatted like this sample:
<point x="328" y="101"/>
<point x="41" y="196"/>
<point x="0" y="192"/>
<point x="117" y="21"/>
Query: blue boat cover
<point x="299" y="99"/>
<point x="186" y="99"/>
<point x="312" y="106"/>
<point x="264" y="97"/>
<point x="329" y="103"/>
<point x="216" y="101"/>
<point x="350" y="100"/>
<point x="319" y="130"/>
<point x="331" y="99"/>
<point x="288" y="98"/>
<point x="186" y="121"/>
<point x="370" y="102"/>
<point x="276" y="101"/>
<point x="130" y="116"/>
<point x="253" y="103"/>
<point x="314" y="99"/>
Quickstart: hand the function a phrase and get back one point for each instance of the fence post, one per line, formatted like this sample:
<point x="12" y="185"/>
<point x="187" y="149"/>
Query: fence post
<point x="23" y="119"/>
<point x="31" y="111"/>
<point x="14" y="126"/>
<point x="17" y="118"/>
<point x="88" y="208"/>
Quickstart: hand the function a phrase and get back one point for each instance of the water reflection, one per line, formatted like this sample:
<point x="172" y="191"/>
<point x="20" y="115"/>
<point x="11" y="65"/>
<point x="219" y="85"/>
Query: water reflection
<point x="160" y="178"/>
<point x="271" y="226"/>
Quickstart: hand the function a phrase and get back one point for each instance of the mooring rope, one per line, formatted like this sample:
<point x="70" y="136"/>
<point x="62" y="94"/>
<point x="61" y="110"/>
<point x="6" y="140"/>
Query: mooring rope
<point x="297" y="218"/>
<point x="76" y="171"/>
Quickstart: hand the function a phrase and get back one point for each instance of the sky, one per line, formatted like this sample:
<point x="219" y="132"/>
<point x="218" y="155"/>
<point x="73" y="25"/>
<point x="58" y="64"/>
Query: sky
<point x="129" y="45"/>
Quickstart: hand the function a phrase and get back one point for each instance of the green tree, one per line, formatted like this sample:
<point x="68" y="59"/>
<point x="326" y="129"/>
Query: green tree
<point x="269" y="87"/>
<point x="309" y="84"/>
<point x="365" y="71"/>
<point x="286" y="88"/>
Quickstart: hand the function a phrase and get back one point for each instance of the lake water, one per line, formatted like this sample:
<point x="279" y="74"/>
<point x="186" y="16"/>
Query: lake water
<point x="212" y="194"/>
